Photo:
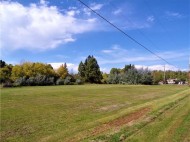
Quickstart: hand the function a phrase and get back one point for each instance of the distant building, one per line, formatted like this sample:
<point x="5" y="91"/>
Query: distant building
<point x="161" y="83"/>
<point x="171" y="81"/>
<point x="181" y="82"/>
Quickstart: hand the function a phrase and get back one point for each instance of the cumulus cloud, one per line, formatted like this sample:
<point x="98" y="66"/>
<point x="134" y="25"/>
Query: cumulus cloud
<point x="39" y="26"/>
<point x="43" y="2"/>
<point x="157" y="67"/>
<point x="93" y="6"/>
<point x="71" y="67"/>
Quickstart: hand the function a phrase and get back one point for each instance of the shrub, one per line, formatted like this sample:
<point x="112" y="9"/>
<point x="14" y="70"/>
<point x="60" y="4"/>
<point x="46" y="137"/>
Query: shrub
<point x="40" y="79"/>
<point x="67" y="80"/>
<point x="113" y="79"/>
<point x="79" y="82"/>
<point x="50" y="81"/>
<point x="60" y="81"/>
<point x="31" y="81"/>
<point x="7" y="84"/>
<point x="20" y="82"/>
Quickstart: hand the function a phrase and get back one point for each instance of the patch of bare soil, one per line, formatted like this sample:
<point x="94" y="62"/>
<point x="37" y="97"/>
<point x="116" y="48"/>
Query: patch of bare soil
<point x="117" y="123"/>
<point x="24" y="131"/>
<point x="110" y="107"/>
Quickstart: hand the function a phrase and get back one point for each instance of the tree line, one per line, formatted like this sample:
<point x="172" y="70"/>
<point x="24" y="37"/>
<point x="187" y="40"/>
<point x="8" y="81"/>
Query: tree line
<point x="38" y="74"/>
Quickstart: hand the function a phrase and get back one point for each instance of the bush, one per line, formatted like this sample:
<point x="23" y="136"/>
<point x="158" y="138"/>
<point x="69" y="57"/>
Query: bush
<point x="40" y="79"/>
<point x="60" y="81"/>
<point x="20" y="82"/>
<point x="43" y="80"/>
<point x="113" y="79"/>
<point x="79" y="82"/>
<point x="7" y="84"/>
<point x="67" y="80"/>
<point x="31" y="81"/>
<point x="50" y="81"/>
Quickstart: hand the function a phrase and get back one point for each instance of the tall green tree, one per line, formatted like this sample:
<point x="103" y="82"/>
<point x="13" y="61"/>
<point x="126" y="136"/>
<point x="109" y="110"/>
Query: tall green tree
<point x="90" y="70"/>
<point x="114" y="71"/>
<point x="145" y="77"/>
<point x="157" y="76"/>
<point x="128" y="67"/>
<point x="104" y="78"/>
<point x="81" y="70"/>
<point x="2" y="63"/>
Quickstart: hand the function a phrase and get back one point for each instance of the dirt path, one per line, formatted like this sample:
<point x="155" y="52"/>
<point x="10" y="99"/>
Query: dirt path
<point x="115" y="124"/>
<point x="119" y="122"/>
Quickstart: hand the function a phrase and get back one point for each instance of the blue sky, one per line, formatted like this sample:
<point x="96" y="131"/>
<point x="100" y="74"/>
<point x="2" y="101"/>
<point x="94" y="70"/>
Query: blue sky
<point x="65" y="31"/>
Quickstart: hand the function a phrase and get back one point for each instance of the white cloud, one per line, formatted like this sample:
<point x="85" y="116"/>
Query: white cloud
<point x="39" y="27"/>
<point x="150" y="19"/>
<point x="70" y="66"/>
<point x="157" y="67"/>
<point x="105" y="70"/>
<point x="73" y="12"/>
<point x="116" y="47"/>
<point x="107" y="51"/>
<point x="118" y="11"/>
<point x="87" y="11"/>
<point x="174" y="14"/>
<point x="95" y="6"/>
<point x="119" y="55"/>
<point x="43" y="2"/>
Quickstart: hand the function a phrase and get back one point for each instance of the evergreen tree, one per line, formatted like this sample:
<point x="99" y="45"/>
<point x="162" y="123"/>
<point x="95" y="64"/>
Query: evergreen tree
<point x="90" y="70"/>
<point x="114" y="71"/>
<point x="81" y="69"/>
<point x="127" y="67"/>
<point x="2" y="63"/>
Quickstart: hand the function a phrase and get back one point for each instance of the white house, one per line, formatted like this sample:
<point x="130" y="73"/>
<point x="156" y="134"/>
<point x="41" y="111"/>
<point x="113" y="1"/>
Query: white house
<point x="171" y="81"/>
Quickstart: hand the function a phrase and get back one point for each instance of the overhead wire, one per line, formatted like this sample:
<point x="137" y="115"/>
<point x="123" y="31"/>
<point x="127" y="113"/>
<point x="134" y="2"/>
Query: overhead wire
<point x="124" y="33"/>
<point x="162" y="26"/>
<point x="148" y="39"/>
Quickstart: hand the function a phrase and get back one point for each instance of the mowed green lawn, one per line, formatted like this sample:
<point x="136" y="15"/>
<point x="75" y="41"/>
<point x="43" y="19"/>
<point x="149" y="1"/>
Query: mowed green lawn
<point x="99" y="112"/>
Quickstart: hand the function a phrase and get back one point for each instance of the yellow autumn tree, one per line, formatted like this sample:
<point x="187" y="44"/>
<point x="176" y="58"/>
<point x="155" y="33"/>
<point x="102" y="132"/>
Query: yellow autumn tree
<point x="62" y="71"/>
<point x="29" y="69"/>
<point x="17" y="72"/>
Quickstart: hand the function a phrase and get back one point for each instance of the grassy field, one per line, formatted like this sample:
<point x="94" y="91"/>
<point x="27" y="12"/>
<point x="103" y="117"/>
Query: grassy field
<point x="96" y="113"/>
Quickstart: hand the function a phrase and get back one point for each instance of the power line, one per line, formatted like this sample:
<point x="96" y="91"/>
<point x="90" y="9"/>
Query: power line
<point x="130" y="21"/>
<point x="123" y="32"/>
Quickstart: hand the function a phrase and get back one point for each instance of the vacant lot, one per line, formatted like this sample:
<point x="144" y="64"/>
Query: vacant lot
<point x="96" y="112"/>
